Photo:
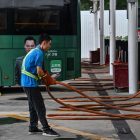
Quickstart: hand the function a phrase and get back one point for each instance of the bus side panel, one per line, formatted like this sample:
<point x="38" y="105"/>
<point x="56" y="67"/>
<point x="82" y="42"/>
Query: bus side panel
<point x="71" y="41"/>
<point x="70" y="64"/>
<point x="55" y="62"/>
<point x="78" y="63"/>
<point x="58" y="42"/>
<point x="7" y="65"/>
<point x="73" y="55"/>
<point x="78" y="52"/>
<point x="0" y="77"/>
<point x="5" y="41"/>
<point x="18" y="41"/>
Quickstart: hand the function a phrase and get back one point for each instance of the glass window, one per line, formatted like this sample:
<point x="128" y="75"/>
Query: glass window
<point x="36" y="21"/>
<point x="3" y="21"/>
<point x="53" y="17"/>
<point x="70" y="64"/>
<point x="70" y="15"/>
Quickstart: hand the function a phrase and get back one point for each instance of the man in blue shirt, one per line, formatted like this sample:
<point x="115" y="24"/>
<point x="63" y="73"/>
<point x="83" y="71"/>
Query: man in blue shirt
<point x="32" y="69"/>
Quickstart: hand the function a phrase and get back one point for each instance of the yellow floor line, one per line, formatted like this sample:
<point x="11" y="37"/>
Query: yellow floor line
<point x="18" y="117"/>
<point x="15" y="115"/>
<point x="89" y="135"/>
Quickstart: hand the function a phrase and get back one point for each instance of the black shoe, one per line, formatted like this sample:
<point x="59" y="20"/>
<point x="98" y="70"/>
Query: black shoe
<point x="49" y="132"/>
<point x="34" y="131"/>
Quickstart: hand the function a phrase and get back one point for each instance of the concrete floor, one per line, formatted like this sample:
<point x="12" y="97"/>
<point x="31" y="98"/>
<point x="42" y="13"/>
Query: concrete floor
<point x="14" y="119"/>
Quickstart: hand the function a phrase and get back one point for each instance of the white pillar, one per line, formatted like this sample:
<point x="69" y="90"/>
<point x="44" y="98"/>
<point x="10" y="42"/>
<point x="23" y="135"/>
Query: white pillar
<point x="98" y="15"/>
<point x="102" y="49"/>
<point x="95" y="16"/>
<point x="112" y="33"/>
<point x="132" y="47"/>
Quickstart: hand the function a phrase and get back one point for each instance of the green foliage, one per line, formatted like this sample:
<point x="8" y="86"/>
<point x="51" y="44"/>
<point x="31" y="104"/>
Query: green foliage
<point x="85" y="4"/>
<point x="120" y="4"/>
<point x="106" y="4"/>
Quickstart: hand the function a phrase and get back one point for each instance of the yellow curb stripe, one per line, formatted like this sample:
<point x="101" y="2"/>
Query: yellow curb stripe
<point x="19" y="117"/>
<point x="14" y="115"/>
<point x="91" y="136"/>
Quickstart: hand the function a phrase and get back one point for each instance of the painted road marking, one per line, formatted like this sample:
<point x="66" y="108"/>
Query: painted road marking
<point x="21" y="116"/>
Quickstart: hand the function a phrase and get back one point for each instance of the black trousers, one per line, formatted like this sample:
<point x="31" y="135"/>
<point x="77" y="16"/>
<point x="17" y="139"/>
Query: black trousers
<point x="36" y="107"/>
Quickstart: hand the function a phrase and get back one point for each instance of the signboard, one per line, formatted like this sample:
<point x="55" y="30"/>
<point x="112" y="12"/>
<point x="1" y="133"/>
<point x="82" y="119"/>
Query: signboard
<point x="56" y="66"/>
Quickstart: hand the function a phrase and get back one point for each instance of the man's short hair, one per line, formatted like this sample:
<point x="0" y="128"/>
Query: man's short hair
<point x="44" y="37"/>
<point x="29" y="38"/>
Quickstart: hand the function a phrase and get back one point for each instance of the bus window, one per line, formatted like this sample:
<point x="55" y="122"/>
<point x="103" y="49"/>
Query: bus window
<point x="57" y="17"/>
<point x="70" y="21"/>
<point x="36" y="21"/>
<point x="3" y="21"/>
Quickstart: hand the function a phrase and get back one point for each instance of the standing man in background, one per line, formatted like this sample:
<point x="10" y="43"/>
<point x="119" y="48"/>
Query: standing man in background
<point x="32" y="71"/>
<point x="29" y="43"/>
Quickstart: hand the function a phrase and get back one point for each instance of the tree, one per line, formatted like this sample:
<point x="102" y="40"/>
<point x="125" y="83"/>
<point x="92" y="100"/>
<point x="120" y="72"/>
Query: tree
<point x="120" y="4"/>
<point x="85" y="4"/>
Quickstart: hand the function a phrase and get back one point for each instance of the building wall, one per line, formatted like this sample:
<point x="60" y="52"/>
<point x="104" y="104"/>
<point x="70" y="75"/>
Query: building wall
<point x="87" y="29"/>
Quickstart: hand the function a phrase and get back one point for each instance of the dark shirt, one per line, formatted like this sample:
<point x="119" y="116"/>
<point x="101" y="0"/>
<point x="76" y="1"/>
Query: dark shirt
<point x="18" y="65"/>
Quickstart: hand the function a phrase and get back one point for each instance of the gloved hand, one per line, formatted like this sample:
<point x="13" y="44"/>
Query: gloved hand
<point x="48" y="80"/>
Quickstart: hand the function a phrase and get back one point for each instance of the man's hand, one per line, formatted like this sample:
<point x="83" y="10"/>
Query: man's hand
<point x="40" y="72"/>
<point x="48" y="80"/>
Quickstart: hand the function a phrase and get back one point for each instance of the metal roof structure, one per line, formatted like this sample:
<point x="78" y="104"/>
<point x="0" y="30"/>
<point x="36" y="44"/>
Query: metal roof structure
<point x="30" y="3"/>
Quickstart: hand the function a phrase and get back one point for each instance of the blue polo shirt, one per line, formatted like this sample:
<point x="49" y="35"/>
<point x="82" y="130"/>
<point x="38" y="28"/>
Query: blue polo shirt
<point x="33" y="59"/>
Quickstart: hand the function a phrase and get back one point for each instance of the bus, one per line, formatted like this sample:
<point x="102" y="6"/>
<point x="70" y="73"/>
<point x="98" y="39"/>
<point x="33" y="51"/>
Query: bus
<point x="59" y="18"/>
<point x="138" y="31"/>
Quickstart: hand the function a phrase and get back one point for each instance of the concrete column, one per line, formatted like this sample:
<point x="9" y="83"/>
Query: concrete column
<point x="102" y="49"/>
<point x="132" y="47"/>
<point x="112" y="33"/>
<point x="98" y="15"/>
<point x="95" y="16"/>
